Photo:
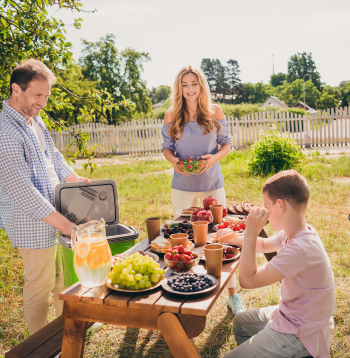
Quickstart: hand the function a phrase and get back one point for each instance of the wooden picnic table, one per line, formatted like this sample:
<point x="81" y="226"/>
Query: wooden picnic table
<point x="179" y="318"/>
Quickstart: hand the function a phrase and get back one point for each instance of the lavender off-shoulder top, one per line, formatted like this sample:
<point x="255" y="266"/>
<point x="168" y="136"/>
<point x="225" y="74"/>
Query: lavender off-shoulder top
<point x="194" y="143"/>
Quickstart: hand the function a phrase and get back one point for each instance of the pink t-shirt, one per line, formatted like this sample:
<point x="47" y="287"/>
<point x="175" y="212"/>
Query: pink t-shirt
<point x="307" y="300"/>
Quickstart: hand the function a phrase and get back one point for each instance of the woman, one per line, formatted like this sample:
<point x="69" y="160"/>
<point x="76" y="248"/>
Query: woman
<point x="193" y="126"/>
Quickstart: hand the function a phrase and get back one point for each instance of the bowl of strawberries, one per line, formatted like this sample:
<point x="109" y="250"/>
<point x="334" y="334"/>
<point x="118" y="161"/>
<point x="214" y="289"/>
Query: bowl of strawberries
<point x="180" y="260"/>
<point x="202" y="215"/>
<point x="234" y="226"/>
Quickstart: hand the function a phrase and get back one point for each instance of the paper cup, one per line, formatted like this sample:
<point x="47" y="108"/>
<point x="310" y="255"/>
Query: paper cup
<point x="217" y="211"/>
<point x="213" y="259"/>
<point x="153" y="228"/>
<point x="179" y="239"/>
<point x="200" y="233"/>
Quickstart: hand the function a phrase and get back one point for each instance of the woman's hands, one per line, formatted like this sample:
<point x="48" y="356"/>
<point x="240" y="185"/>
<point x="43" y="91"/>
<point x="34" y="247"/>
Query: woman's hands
<point x="176" y="169"/>
<point x="210" y="160"/>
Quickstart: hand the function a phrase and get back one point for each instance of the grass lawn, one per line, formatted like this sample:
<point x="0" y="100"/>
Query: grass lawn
<point x="144" y="191"/>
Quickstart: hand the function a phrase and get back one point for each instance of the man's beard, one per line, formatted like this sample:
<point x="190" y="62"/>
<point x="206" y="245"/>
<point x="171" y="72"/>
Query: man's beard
<point x="27" y="109"/>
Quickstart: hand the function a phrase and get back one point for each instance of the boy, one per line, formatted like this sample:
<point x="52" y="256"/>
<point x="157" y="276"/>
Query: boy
<point x="301" y="325"/>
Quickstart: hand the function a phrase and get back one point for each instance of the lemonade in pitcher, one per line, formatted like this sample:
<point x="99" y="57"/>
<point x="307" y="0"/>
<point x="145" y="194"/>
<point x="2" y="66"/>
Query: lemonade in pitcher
<point x="92" y="255"/>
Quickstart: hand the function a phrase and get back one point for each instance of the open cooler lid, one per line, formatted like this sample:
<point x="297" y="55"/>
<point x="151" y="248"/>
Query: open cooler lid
<point x="81" y="202"/>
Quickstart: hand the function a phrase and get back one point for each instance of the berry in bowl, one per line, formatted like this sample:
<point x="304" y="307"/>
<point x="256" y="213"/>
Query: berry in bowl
<point x="191" y="165"/>
<point x="202" y="215"/>
<point x="180" y="260"/>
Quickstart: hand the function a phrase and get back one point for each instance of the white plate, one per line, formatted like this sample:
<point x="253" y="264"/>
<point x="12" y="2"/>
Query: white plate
<point x="169" y="289"/>
<point x="179" y="212"/>
<point x="109" y="285"/>
<point x="200" y="252"/>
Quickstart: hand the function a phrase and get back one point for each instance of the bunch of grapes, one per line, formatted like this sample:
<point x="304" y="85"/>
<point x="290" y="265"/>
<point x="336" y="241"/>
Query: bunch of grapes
<point x="136" y="272"/>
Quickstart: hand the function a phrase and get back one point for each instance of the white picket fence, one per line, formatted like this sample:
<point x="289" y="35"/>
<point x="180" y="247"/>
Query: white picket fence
<point x="323" y="129"/>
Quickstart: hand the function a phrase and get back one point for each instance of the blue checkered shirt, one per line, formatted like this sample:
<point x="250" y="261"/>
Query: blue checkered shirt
<point x="26" y="194"/>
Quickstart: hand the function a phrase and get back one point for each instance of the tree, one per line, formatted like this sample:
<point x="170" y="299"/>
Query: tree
<point x="301" y="64"/>
<point x="256" y="93"/>
<point x="161" y="93"/>
<point x="292" y="93"/>
<point x="208" y="67"/>
<point x="278" y="80"/>
<point x="344" y="94"/>
<point x="27" y="32"/>
<point x="232" y="78"/>
<point x="119" y="73"/>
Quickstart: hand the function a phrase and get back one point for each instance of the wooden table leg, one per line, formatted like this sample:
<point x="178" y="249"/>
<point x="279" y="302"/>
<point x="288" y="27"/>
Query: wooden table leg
<point x="73" y="339"/>
<point x="176" y="338"/>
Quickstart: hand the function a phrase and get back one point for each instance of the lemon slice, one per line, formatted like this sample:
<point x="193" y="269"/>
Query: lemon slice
<point x="82" y="248"/>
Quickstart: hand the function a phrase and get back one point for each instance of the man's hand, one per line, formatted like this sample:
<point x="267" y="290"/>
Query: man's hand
<point x="72" y="178"/>
<point x="257" y="219"/>
<point x="210" y="160"/>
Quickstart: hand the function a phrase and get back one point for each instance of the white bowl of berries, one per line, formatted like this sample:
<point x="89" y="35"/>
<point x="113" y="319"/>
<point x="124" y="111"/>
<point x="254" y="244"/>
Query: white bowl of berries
<point x="202" y="215"/>
<point x="180" y="260"/>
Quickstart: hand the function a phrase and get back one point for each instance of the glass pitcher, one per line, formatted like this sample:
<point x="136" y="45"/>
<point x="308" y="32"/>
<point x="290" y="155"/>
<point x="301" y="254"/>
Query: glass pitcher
<point x="92" y="255"/>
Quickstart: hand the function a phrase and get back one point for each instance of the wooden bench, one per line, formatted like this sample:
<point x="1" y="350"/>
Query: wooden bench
<point x="46" y="343"/>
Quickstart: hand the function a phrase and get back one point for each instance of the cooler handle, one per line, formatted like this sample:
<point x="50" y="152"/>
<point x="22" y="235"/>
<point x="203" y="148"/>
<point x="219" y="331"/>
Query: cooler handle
<point x="133" y="229"/>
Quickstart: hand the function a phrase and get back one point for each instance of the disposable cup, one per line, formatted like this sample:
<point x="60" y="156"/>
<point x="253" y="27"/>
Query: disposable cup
<point x="200" y="232"/>
<point x="213" y="259"/>
<point x="179" y="239"/>
<point x="217" y="211"/>
<point x="153" y="228"/>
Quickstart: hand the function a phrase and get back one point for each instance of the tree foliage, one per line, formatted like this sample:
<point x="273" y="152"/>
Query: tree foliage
<point x="224" y="81"/>
<point x="28" y="32"/>
<point x="119" y="73"/>
<point x="301" y="64"/>
<point x="161" y="93"/>
<point x="278" y="80"/>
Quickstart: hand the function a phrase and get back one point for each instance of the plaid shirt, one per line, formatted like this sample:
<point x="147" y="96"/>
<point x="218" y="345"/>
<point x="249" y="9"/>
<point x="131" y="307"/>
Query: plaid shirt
<point x="26" y="194"/>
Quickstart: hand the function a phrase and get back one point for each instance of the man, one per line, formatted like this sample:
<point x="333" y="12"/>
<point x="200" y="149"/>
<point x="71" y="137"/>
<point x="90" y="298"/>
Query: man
<point x="30" y="168"/>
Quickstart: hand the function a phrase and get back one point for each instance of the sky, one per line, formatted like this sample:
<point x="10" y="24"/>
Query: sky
<point x="183" y="32"/>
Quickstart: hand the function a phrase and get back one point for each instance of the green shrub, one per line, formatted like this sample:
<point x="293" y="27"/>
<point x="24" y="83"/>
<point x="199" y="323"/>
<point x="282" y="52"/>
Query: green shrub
<point x="239" y="110"/>
<point x="273" y="153"/>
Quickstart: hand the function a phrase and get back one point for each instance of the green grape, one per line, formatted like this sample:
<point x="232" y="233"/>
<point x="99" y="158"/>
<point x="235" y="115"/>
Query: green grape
<point x="137" y="286"/>
<point x="156" y="271"/>
<point x="161" y="271"/>
<point x="142" y="284"/>
<point x="122" y="276"/>
<point x="147" y="257"/>
<point x="129" y="260"/>
<point x="114" y="281"/>
<point x="119" y="280"/>
<point x="122" y="265"/>
<point x="143" y="269"/>
<point x="150" y="269"/>
<point x="140" y="259"/>
<point x="137" y="254"/>
<point x="132" y="272"/>
<point x="146" y="261"/>
<point x="138" y="277"/>
<point x="125" y="271"/>
<point x="134" y="261"/>
<point x="137" y="267"/>
<point x="128" y="283"/>
<point x="148" y="284"/>
<point x="153" y="264"/>
<point x="110" y="275"/>
<point x="154" y="278"/>
<point x="130" y="278"/>
<point x="133" y="283"/>
<point x="145" y="278"/>
<point x="122" y="286"/>
<point x="124" y="282"/>
<point x="132" y="288"/>
<point x="116" y="268"/>
<point x="157" y="265"/>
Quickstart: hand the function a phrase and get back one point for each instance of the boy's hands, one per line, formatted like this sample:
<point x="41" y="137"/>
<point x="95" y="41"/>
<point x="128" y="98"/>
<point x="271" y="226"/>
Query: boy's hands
<point x="257" y="219"/>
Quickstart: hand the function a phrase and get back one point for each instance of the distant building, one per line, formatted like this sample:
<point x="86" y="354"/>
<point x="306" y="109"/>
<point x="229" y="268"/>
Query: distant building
<point x="273" y="101"/>
<point x="305" y="107"/>
<point x="158" y="105"/>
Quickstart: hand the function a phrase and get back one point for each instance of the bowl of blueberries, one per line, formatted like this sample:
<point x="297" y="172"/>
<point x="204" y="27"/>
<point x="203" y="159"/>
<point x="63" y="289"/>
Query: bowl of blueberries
<point x="190" y="284"/>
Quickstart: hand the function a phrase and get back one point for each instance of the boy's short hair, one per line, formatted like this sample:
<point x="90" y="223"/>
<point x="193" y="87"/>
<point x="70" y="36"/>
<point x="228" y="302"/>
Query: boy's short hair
<point x="31" y="70"/>
<point x="288" y="185"/>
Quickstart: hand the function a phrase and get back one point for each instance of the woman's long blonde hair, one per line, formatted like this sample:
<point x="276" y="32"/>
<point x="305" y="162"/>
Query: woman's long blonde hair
<point x="205" y="114"/>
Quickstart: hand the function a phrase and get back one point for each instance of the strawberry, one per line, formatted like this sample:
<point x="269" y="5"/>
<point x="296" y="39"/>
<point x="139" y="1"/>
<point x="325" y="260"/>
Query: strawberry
<point x="187" y="258"/>
<point x="181" y="249"/>
<point x="189" y="160"/>
<point x="176" y="257"/>
<point x="221" y="227"/>
<point x="168" y="256"/>
<point x="174" y="252"/>
<point x="189" y="166"/>
<point x="229" y="250"/>
<point x="226" y="224"/>
<point x="229" y="256"/>
<point x="194" y="255"/>
<point x="169" y="251"/>
<point x="180" y="162"/>
<point x="181" y="165"/>
<point x="188" y="252"/>
<point x="200" y="164"/>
